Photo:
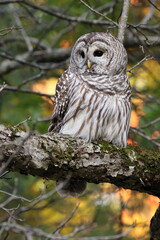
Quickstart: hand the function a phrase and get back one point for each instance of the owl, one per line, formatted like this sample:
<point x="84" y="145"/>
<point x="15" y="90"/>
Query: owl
<point x="93" y="97"/>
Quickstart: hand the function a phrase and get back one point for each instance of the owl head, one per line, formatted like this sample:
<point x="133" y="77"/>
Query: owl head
<point x="98" y="53"/>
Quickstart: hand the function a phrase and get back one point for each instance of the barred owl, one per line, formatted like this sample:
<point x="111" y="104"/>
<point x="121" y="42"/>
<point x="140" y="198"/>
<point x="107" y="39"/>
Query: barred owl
<point x="93" y="97"/>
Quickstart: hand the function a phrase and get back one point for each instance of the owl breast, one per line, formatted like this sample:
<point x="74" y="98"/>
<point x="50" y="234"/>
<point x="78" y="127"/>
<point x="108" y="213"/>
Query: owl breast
<point x="92" y="114"/>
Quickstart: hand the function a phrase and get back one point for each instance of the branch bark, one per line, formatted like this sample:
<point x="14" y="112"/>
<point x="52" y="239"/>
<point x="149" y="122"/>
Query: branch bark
<point x="123" y="21"/>
<point x="55" y="156"/>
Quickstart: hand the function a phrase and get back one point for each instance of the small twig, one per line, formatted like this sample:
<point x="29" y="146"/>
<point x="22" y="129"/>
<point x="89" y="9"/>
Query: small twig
<point x="19" y="24"/>
<point x="8" y="30"/>
<point x="123" y="21"/>
<point x="24" y="121"/>
<point x="142" y="134"/>
<point x="38" y="232"/>
<point x="44" y="119"/>
<point x="102" y="15"/>
<point x="11" y="214"/>
<point x="3" y="174"/>
<point x="2" y="87"/>
<point x="35" y="201"/>
<point x="15" y="196"/>
<point x="151" y="123"/>
<point x="153" y="5"/>
<point x="16" y="89"/>
<point x="62" y="225"/>
<point x="150" y="14"/>
<point x="59" y="14"/>
<point x="31" y="79"/>
<point x="146" y="58"/>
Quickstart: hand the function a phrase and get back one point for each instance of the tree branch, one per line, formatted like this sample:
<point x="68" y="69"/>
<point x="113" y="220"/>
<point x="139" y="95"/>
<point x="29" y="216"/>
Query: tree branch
<point x="55" y="156"/>
<point x="28" y="91"/>
<point x="123" y="21"/>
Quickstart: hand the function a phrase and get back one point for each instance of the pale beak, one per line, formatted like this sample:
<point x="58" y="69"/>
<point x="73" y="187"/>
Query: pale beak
<point x="89" y="64"/>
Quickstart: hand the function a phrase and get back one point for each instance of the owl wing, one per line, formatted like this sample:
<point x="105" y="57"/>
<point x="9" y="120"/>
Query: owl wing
<point x="61" y="103"/>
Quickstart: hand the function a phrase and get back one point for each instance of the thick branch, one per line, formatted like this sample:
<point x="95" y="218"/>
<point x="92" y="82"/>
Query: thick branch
<point x="54" y="156"/>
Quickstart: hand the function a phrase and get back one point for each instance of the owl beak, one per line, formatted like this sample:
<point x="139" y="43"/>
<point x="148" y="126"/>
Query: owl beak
<point x="89" y="64"/>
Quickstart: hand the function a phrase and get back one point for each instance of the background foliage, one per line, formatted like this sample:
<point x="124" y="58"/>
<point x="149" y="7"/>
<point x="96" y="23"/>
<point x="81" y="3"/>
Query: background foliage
<point x="36" y="38"/>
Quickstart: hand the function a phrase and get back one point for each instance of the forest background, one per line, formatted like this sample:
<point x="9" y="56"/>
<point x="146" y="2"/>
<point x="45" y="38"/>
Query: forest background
<point x="36" y="38"/>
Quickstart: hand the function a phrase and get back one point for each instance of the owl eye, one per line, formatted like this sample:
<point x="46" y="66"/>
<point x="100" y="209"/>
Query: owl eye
<point x="81" y="53"/>
<point x="98" y="53"/>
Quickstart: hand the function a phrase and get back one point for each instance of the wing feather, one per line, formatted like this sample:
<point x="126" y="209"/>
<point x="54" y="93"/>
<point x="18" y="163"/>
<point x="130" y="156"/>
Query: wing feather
<point x="61" y="103"/>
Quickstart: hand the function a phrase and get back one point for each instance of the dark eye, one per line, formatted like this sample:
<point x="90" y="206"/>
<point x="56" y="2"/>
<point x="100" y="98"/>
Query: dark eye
<point x="98" y="53"/>
<point x="82" y="54"/>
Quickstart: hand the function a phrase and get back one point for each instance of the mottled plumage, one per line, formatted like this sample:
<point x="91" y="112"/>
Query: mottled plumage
<point x="93" y="94"/>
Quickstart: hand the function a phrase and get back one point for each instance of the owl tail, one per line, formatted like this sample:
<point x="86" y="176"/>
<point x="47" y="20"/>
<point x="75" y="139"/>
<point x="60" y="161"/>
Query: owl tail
<point x="72" y="187"/>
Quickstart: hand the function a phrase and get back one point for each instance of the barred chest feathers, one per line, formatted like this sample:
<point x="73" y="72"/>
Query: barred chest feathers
<point x="92" y="114"/>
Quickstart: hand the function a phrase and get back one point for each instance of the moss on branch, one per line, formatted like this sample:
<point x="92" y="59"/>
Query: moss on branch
<point x="53" y="156"/>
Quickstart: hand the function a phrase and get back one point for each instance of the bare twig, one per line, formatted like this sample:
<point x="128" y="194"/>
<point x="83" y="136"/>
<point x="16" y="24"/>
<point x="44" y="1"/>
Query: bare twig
<point x="24" y="121"/>
<point x="152" y="3"/>
<point x="151" y="123"/>
<point x="44" y="119"/>
<point x="35" y="201"/>
<point x="28" y="91"/>
<point x="59" y="14"/>
<point x="2" y="87"/>
<point x="62" y="225"/>
<point x="15" y="196"/>
<point x="40" y="233"/>
<point x="31" y="79"/>
<point x="123" y="20"/>
<point x="19" y="24"/>
<point x="97" y="12"/>
<point x="150" y="13"/>
<point x="118" y="236"/>
<point x="8" y="30"/>
<point x="146" y="58"/>
<point x="141" y="133"/>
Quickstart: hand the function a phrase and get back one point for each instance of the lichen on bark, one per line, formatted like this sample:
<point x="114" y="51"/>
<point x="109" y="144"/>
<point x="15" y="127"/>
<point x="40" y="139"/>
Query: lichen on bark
<point x="53" y="156"/>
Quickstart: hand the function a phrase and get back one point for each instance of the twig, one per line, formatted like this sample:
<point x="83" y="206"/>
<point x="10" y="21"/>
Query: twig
<point x="146" y="58"/>
<point x="62" y="225"/>
<point x="31" y="64"/>
<point x="44" y="119"/>
<point x="35" y="201"/>
<point x="19" y="38"/>
<point x="31" y="79"/>
<point x="118" y="236"/>
<point x="59" y="14"/>
<point x="123" y="21"/>
<point x="2" y="87"/>
<point x="24" y="121"/>
<point x="19" y="24"/>
<point x="3" y="174"/>
<point x="153" y="5"/>
<point x="15" y="197"/>
<point x="102" y="15"/>
<point x="16" y="89"/>
<point x="151" y="123"/>
<point x="7" y="30"/>
<point x="38" y="232"/>
<point x="142" y="134"/>
<point x="11" y="214"/>
<point x="150" y="13"/>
